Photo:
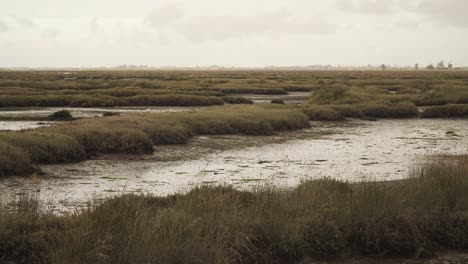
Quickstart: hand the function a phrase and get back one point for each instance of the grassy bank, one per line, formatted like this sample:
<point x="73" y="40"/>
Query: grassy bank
<point x="137" y="134"/>
<point x="321" y="219"/>
<point x="100" y="100"/>
<point x="369" y="110"/>
<point x="446" y="111"/>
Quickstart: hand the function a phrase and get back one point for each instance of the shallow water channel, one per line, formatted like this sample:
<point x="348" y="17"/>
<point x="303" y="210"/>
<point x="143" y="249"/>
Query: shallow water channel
<point x="352" y="151"/>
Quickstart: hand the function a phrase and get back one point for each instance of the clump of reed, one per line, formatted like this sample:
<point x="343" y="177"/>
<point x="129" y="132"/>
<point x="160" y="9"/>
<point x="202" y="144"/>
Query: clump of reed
<point x="277" y="101"/>
<point x="61" y="115"/>
<point x="14" y="161"/>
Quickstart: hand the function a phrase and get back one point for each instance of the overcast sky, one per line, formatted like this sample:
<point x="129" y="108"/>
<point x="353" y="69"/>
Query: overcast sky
<point x="90" y="33"/>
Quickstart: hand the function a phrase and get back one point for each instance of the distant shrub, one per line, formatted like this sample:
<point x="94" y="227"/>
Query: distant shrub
<point x="110" y="114"/>
<point x="237" y="100"/>
<point x="300" y="88"/>
<point x="61" y="115"/>
<point x="277" y="101"/>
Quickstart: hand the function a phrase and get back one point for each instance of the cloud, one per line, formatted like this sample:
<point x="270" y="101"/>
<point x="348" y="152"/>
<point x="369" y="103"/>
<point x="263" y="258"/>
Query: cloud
<point x="375" y="7"/>
<point x="3" y="26"/>
<point x="94" y="25"/>
<point x="175" y="21"/>
<point x="446" y="12"/>
<point x="410" y="24"/>
<point x="25" y="22"/>
<point x="165" y="15"/>
<point x="51" y="33"/>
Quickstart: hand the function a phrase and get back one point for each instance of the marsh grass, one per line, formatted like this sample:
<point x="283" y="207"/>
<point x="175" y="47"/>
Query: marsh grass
<point x="237" y="100"/>
<point x="363" y="110"/>
<point x="103" y="100"/>
<point x="114" y="88"/>
<point x="14" y="161"/>
<point x="45" y="147"/>
<point x="277" y="101"/>
<point x="396" y="95"/>
<point x="137" y="134"/>
<point x="445" y="111"/>
<point x="61" y="115"/>
<point x="324" y="113"/>
<point x="320" y="220"/>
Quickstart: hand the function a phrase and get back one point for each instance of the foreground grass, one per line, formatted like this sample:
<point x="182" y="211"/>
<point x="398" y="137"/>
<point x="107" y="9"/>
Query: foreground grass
<point x="321" y="219"/>
<point x="137" y="134"/>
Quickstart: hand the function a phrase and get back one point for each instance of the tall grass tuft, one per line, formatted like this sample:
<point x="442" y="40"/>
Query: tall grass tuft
<point x="14" y="161"/>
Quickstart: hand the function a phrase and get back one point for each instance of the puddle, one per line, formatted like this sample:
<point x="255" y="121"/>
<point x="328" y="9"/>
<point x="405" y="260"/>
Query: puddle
<point x="351" y="151"/>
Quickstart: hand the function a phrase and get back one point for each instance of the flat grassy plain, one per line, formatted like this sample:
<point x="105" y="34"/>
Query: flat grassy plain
<point x="318" y="220"/>
<point x="199" y="88"/>
<point x="335" y="96"/>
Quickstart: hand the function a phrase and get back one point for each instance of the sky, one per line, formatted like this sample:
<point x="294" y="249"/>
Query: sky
<point x="240" y="33"/>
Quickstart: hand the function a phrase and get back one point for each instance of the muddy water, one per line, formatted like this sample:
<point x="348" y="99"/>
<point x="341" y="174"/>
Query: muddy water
<point x="352" y="151"/>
